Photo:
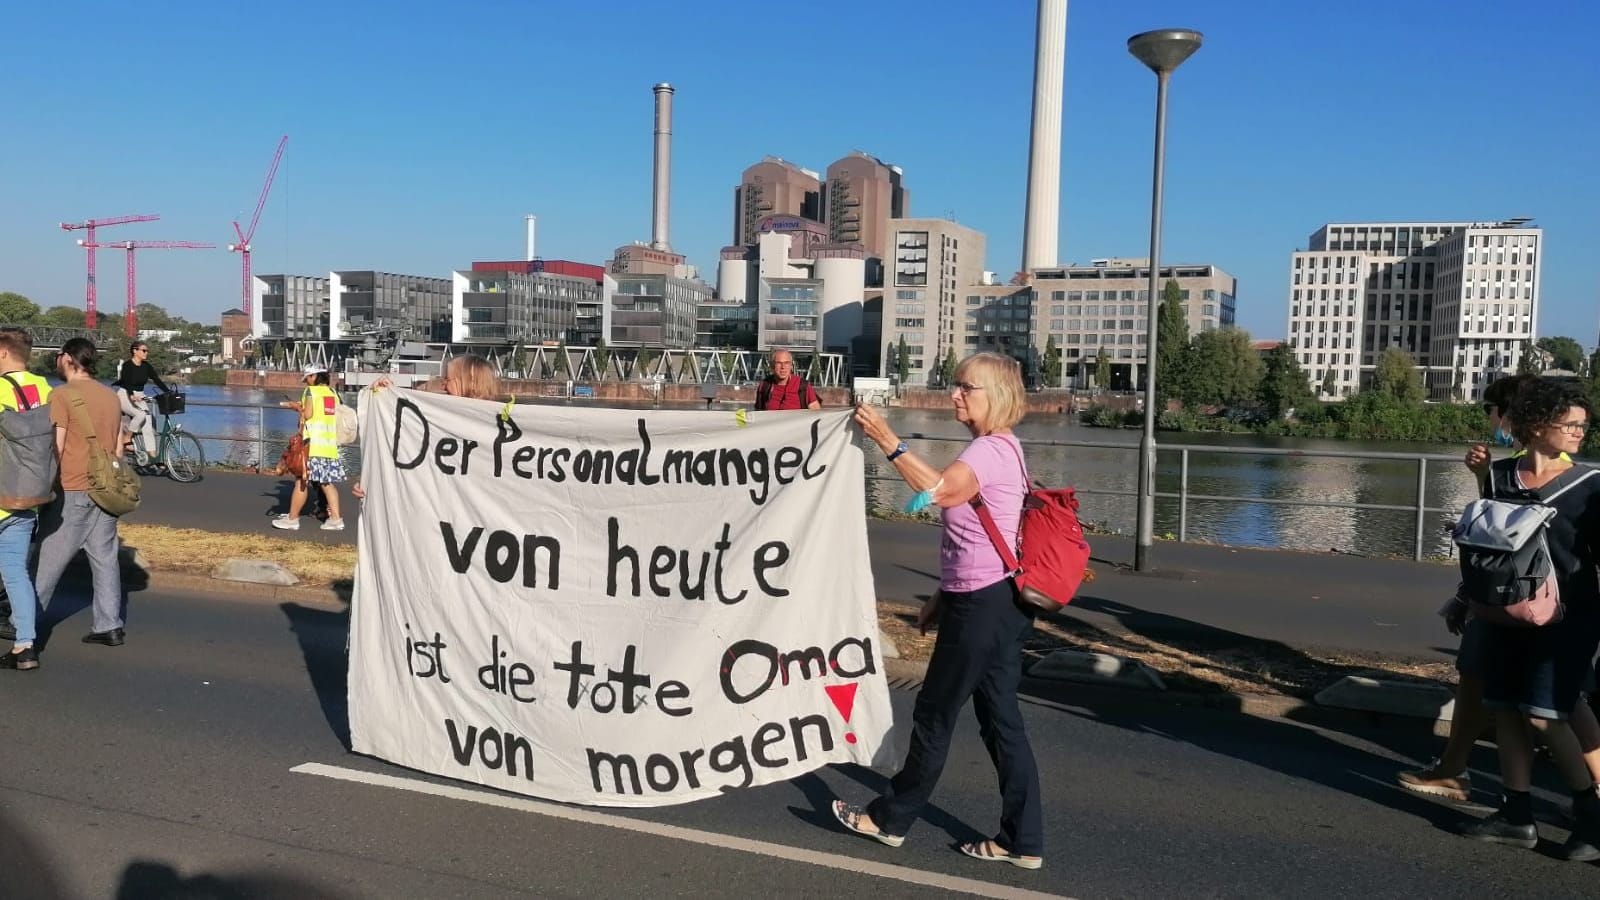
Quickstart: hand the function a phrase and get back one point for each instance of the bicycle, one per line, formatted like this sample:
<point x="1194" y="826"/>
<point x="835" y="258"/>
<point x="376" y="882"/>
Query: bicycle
<point x="177" y="451"/>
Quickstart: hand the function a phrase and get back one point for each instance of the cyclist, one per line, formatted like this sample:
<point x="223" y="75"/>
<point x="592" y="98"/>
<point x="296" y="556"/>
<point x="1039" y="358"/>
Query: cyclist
<point x="133" y="374"/>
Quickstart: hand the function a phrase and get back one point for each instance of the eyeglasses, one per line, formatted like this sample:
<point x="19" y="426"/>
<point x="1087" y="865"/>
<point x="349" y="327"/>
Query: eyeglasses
<point x="1576" y="429"/>
<point x="966" y="387"/>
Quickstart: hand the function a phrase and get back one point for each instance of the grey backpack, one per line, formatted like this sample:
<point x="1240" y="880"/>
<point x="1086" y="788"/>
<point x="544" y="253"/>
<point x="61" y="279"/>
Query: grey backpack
<point x="27" y="453"/>
<point x="1507" y="576"/>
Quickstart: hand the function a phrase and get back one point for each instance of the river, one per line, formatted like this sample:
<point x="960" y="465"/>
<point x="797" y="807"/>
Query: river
<point x="1300" y="478"/>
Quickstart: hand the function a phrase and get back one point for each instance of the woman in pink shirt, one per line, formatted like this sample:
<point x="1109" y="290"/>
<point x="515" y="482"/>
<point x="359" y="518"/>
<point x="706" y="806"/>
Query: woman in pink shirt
<point x="979" y="650"/>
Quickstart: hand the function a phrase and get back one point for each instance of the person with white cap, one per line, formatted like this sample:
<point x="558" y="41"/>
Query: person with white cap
<point x="318" y="407"/>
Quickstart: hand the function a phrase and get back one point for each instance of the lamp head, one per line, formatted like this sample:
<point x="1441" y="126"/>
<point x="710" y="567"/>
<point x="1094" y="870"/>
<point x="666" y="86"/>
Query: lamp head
<point x="1166" y="49"/>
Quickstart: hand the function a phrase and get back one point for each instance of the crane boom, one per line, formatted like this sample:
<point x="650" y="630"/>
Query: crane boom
<point x="266" y="188"/>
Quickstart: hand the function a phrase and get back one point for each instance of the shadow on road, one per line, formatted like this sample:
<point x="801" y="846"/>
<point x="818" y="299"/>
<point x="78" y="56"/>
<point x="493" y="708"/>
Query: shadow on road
<point x="324" y="636"/>
<point x="820" y="796"/>
<point x="1301" y="747"/>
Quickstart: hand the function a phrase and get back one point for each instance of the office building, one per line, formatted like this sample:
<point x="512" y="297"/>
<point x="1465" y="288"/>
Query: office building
<point x="725" y="324"/>
<point x="655" y="310"/>
<point x="291" y="306"/>
<point x="1101" y="306"/>
<point x="412" y="307"/>
<point x="931" y="262"/>
<point x="774" y="187"/>
<point x="522" y="302"/>
<point x="1460" y="298"/>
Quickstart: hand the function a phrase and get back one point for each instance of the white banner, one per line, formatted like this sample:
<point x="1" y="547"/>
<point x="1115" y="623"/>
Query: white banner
<point x="615" y="607"/>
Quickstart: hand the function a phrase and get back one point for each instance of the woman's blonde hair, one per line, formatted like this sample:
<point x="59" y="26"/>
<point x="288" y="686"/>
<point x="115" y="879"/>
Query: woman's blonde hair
<point x="1000" y="376"/>
<point x="473" y="377"/>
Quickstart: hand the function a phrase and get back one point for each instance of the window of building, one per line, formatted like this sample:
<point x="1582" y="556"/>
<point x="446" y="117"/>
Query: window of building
<point x="1058" y="295"/>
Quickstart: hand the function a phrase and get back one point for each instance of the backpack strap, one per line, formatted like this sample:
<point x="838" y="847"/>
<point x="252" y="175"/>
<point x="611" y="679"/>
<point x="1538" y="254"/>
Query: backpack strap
<point x="22" y="397"/>
<point x="992" y="528"/>
<point x="1568" y="486"/>
<point x="763" y="394"/>
<point x="76" y="404"/>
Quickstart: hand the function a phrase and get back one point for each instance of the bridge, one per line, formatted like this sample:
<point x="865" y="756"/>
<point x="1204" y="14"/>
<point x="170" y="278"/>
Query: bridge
<point x="47" y="337"/>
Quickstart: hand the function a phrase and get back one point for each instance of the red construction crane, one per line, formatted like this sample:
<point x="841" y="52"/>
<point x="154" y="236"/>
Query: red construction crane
<point x="90" y="314"/>
<point x="129" y="324"/>
<point x="243" y="247"/>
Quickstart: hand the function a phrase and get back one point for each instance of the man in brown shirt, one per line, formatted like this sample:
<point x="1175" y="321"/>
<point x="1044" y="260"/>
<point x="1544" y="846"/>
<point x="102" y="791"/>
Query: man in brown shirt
<point x="77" y="523"/>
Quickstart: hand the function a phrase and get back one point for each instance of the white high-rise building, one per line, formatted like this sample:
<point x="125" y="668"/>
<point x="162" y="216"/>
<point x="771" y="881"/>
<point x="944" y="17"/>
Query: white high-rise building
<point x="1460" y="297"/>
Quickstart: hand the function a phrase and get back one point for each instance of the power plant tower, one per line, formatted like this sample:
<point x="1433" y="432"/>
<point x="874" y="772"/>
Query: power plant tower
<point x="662" y="193"/>
<point x="1041" y="223"/>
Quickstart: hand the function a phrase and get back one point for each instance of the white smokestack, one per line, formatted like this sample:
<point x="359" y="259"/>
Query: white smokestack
<point x="1040" y="237"/>
<point x="532" y="222"/>
<point x="662" y="194"/>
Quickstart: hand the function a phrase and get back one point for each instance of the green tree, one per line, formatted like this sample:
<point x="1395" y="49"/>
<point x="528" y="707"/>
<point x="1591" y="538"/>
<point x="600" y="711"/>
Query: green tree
<point x="1052" y="363"/>
<point x="1224" y="368"/>
<point x="602" y="357"/>
<point x="1565" y="352"/>
<point x="1284" y="385"/>
<point x="563" y="364"/>
<point x="902" y="359"/>
<point x="1396" y="376"/>
<point x="1329" y="387"/>
<point x="1172" y="346"/>
<point x="61" y="317"/>
<point x="1102" y="369"/>
<point x="1528" y="360"/>
<point x="152" y="316"/>
<point x="16" y="309"/>
<point x="947" y="369"/>
<point x="643" y="360"/>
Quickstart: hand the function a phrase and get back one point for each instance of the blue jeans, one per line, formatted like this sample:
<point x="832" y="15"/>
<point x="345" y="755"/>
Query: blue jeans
<point x="16" y="534"/>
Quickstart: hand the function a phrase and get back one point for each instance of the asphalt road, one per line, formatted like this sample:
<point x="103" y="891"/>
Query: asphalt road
<point x="1219" y="595"/>
<point x="169" y="759"/>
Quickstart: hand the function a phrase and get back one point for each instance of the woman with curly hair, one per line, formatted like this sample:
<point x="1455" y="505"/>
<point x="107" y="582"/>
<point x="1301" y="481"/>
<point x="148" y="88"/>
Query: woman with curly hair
<point x="1534" y="677"/>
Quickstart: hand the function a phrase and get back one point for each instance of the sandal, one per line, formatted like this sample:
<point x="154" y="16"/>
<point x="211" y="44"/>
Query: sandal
<point x="989" y="851"/>
<point x="851" y="818"/>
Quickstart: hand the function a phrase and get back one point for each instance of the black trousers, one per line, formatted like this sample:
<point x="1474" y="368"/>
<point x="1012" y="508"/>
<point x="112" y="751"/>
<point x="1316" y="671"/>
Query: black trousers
<point x="977" y="655"/>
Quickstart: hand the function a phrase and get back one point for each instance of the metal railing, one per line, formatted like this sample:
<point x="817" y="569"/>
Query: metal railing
<point x="260" y="438"/>
<point x="1418" y="507"/>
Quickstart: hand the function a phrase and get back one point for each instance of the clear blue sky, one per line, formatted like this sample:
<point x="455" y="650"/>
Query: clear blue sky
<point x="422" y="132"/>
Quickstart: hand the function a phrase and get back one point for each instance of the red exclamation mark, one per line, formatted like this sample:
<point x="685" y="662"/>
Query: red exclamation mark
<point x="844" y="699"/>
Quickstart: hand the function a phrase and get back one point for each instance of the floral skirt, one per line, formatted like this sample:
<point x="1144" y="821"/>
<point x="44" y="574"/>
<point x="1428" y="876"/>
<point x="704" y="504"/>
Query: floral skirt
<point x="324" y="470"/>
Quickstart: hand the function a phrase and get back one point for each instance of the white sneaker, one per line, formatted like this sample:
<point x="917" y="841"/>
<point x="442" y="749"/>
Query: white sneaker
<point x="288" y="524"/>
<point x="333" y="525"/>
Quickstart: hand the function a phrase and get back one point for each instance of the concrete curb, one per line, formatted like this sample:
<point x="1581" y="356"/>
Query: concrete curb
<point x="1122" y="701"/>
<point x="1096" y="668"/>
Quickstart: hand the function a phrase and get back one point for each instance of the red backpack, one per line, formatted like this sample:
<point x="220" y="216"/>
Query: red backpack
<point x="1054" y="557"/>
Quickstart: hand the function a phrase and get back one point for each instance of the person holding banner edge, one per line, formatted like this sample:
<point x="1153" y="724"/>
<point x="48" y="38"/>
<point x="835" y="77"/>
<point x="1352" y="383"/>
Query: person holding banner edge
<point x="978" y="651"/>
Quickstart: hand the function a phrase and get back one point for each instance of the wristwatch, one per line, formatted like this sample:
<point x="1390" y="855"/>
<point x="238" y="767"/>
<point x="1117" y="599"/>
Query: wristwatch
<point x="899" y="449"/>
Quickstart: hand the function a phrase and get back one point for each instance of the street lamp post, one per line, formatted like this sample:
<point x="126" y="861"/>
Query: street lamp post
<point x="1162" y="51"/>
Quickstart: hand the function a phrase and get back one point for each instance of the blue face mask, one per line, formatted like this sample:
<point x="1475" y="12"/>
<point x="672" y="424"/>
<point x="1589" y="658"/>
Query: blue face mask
<point x="1502" y="438"/>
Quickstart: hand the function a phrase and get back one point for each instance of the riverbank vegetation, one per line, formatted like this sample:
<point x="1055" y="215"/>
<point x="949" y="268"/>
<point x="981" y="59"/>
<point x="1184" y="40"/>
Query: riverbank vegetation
<point x="1218" y="381"/>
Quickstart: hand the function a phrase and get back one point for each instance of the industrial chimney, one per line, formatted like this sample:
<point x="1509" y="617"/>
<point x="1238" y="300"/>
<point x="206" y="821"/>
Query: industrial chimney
<point x="662" y="194"/>
<point x="532" y="222"/>
<point x="1040" y="238"/>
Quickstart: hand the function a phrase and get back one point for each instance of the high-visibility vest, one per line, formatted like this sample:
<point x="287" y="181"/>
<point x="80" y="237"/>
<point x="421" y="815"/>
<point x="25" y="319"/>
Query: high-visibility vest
<point x="34" y="387"/>
<point x="322" y="405"/>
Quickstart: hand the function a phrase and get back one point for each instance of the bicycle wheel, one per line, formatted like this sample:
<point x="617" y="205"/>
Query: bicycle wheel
<point x="184" y="458"/>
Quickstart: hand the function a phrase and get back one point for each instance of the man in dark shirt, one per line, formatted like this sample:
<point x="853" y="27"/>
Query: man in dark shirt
<point x="785" y="390"/>
<point x="133" y="374"/>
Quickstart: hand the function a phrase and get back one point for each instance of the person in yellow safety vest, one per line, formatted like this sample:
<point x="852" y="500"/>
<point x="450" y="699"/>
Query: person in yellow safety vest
<point x="19" y="389"/>
<point x="318" y="406"/>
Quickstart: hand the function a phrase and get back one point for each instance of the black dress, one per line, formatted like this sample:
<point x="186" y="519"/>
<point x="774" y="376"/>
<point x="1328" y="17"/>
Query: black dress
<point x="1543" y="671"/>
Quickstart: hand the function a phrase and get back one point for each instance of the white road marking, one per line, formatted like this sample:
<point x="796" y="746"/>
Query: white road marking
<point x="678" y="833"/>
